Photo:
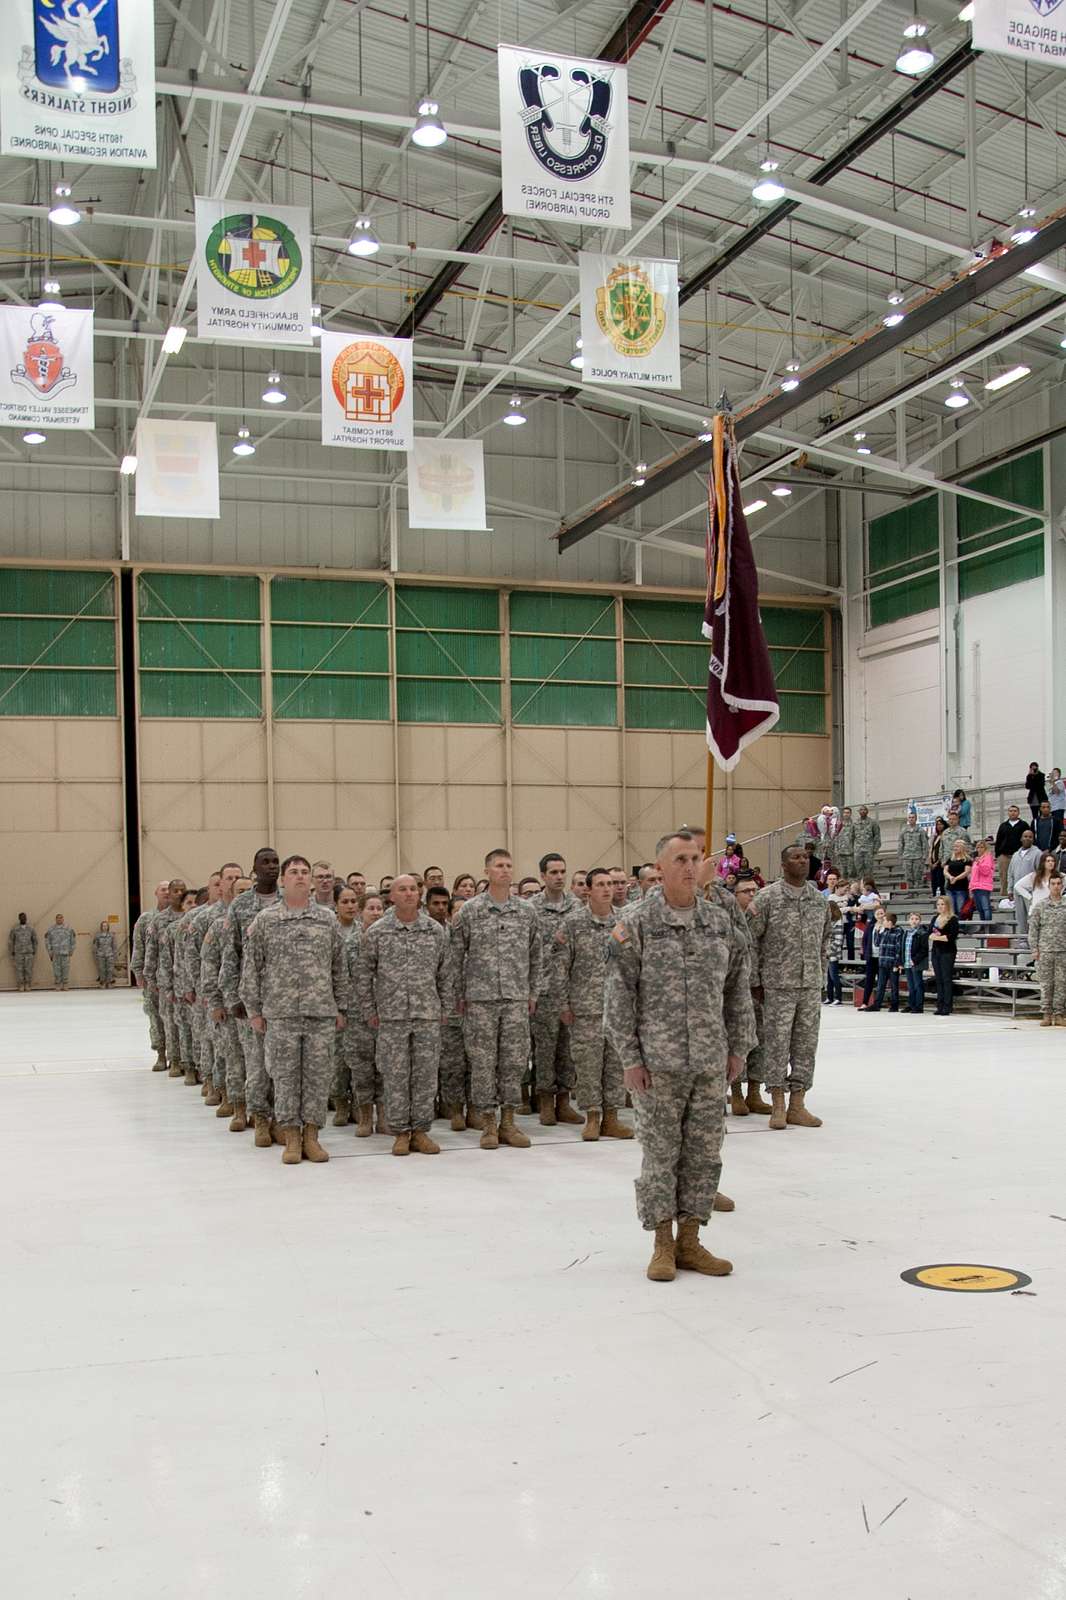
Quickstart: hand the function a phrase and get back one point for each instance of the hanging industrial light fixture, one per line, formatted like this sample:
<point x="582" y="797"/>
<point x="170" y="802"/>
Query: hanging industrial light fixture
<point x="244" y="445"/>
<point x="274" y="394"/>
<point x="63" y="213"/>
<point x="957" y="396"/>
<point x="364" y="241"/>
<point x="915" y="56"/>
<point x="515" y="416"/>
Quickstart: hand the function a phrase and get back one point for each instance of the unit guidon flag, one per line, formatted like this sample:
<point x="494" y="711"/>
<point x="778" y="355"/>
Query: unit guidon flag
<point x="742" y="701"/>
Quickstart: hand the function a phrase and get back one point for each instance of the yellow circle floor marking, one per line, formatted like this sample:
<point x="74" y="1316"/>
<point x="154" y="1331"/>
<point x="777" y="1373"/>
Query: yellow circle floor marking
<point x="965" y="1278"/>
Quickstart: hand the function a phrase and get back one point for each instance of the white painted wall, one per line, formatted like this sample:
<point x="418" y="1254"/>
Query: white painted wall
<point x="1004" y="686"/>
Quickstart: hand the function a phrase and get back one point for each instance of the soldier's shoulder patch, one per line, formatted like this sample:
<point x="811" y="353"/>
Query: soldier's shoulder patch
<point x="620" y="933"/>
<point x="561" y="937"/>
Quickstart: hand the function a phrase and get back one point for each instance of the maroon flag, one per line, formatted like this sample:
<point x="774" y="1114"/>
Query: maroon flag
<point x="742" y="701"/>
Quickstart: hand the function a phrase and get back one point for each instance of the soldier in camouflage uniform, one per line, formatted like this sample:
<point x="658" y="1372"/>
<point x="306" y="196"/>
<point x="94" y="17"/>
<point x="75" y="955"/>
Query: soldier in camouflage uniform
<point x="228" y="1056"/>
<point x="1047" y="941"/>
<point x="149" y="1006"/>
<point x="866" y="834"/>
<point x="582" y="942"/>
<point x="175" y="939"/>
<point x="22" y="947"/>
<point x="952" y="834"/>
<point x="59" y="941"/>
<point x="179" y="1037"/>
<point x="220" y="890"/>
<point x="346" y="909"/>
<point x="791" y="925"/>
<point x="677" y="1008"/>
<point x="744" y="896"/>
<point x="454" y="1074"/>
<point x="844" y="846"/>
<point x="553" y="1067"/>
<point x="360" y="1044"/>
<point x="912" y="850"/>
<point x="104" y="955"/>
<point x="294" y="988"/>
<point x="403" y="994"/>
<point x="498" y="962"/>
<point x="154" y="933"/>
<point x="249" y="1089"/>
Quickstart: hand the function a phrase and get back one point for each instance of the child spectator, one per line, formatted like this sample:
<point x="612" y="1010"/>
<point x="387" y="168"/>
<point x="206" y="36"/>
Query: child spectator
<point x="982" y="877"/>
<point x="889" y="963"/>
<point x="915" y="958"/>
<point x="834" y="988"/>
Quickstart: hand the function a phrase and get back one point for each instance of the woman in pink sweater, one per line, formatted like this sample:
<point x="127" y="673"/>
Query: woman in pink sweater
<point x="982" y="875"/>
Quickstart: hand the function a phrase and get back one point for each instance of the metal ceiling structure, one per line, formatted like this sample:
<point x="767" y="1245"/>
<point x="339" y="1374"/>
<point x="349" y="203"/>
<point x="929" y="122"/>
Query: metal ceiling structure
<point x="890" y="183"/>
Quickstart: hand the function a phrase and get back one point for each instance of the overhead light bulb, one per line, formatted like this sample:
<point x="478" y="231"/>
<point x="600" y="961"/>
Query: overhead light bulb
<point x="914" y="59"/>
<point x="1062" y="342"/>
<point x="244" y="445"/>
<point x="50" y="286"/>
<point x="128" y="466"/>
<point x="316" y="311"/>
<point x="62" y="212"/>
<point x="790" y="383"/>
<point x="364" y="241"/>
<point x="916" y="29"/>
<point x="1012" y="376"/>
<point x="756" y="505"/>
<point x="515" y="417"/>
<point x="34" y="436"/>
<point x="957" y="397"/>
<point x="577" y="360"/>
<point x="274" y="394"/>
<point x="896" y="298"/>
<point x="860" y="436"/>
<point x="1023" y="235"/>
<point x="640" y="476"/>
<point x="173" y="339"/>
<point x="316" y="318"/>
<point x="767" y="190"/>
<point x="781" y="491"/>
<point x="50" y="302"/>
<point x="1027" y="211"/>
<point x="708" y="432"/>
<point x="428" y="131"/>
<point x="792" y="366"/>
<point x="769" y="163"/>
<point x="864" y="450"/>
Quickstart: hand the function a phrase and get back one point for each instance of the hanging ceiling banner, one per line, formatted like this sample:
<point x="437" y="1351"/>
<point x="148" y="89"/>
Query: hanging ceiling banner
<point x="77" y="81"/>
<point x="253" y="272"/>
<point x="629" y="321"/>
<point x="177" y="469"/>
<point x="1028" y="30"/>
<point x="446" y="484"/>
<point x="564" y="138"/>
<point x="46" y="368"/>
<point x="367" y="392"/>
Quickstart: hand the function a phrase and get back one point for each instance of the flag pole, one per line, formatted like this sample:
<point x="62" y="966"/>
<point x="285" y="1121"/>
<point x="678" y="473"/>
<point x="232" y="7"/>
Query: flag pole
<point x="724" y="412"/>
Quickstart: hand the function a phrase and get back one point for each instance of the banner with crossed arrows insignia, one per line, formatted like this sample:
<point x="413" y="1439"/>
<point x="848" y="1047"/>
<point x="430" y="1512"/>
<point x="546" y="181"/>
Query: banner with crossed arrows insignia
<point x="1029" y="30"/>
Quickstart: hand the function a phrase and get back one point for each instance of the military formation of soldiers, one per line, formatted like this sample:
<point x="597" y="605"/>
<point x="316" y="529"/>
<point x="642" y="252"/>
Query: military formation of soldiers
<point x="59" y="941"/>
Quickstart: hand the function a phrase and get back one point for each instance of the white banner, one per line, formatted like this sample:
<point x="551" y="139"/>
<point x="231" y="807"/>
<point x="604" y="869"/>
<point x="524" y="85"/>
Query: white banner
<point x="77" y="81"/>
<point x="367" y="392"/>
<point x="1028" y="30"/>
<point x="446" y="484"/>
<point x="629" y="321"/>
<point x="46" y="368"/>
<point x="564" y="138"/>
<point x="253" y="272"/>
<point x="177" y="469"/>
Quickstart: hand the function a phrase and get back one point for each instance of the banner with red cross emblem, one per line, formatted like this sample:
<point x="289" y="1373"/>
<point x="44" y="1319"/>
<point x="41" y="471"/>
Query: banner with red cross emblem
<point x="367" y="392"/>
<point x="46" y="367"/>
<point x="253" y="272"/>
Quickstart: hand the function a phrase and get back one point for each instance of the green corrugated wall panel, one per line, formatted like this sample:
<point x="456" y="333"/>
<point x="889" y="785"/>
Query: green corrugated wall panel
<point x="904" y="600"/>
<point x="564" y="705"/>
<point x="195" y="594"/>
<point x="427" y="700"/>
<point x="793" y="626"/>
<point x="798" y="669"/>
<point x="674" y="709"/>
<point x="200" y="694"/>
<point x="57" y="694"/>
<point x="670" y="665"/>
<point x="998" y="532"/>
<point x="801" y="713"/>
<point x="322" y="696"/>
<point x="447" y="655"/>
<point x="221" y="646"/>
<point x="582" y="660"/>
<point x="49" y="642"/>
<point x="1020" y="481"/>
<point x="35" y="590"/>
<point x="1002" y="568"/>
<point x="332" y="649"/>
<point x="538" y="611"/>
<point x="902" y="535"/>
<point x="326" y="600"/>
<point x="662" y="619"/>
<point x="474" y="609"/>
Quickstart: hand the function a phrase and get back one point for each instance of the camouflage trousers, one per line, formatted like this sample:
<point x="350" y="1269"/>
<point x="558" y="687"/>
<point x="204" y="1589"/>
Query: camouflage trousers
<point x="170" y="1028"/>
<point x="596" y="1065"/>
<point x="150" y="1007"/>
<point x="183" y="1020"/>
<point x="454" y="1071"/>
<point x="408" y="1058"/>
<point x="105" y="969"/>
<point x="496" y="1036"/>
<point x="60" y="970"/>
<point x="23" y="971"/>
<point x="863" y="864"/>
<point x="203" y="1042"/>
<point x="359" y="1046"/>
<point x="1051" y="970"/>
<point x="553" y="1066"/>
<point x="913" y="868"/>
<point x="229" y="1059"/>
<point x="754" y="1070"/>
<point x="791" y="1019"/>
<point x="299" y="1059"/>
<point x="255" y="1090"/>
<point x="844" y="863"/>
<point x="680" y="1125"/>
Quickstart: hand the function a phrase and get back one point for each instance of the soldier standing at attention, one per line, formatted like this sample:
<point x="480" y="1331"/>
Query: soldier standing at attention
<point x="913" y="849"/>
<point x="866" y="834"/>
<point x="498" y="956"/>
<point x="322" y="880"/>
<point x="149" y="1005"/>
<point x="219" y="1037"/>
<point x="552" y="1065"/>
<point x="404" y="996"/>
<point x="22" y="947"/>
<point x="346" y="909"/>
<point x="454" y="1074"/>
<point x="1047" y="940"/>
<point x="294" y="989"/>
<point x="677" y="1008"/>
<point x="791" y="926"/>
<point x="744" y="896"/>
<point x="583" y="942"/>
<point x="59" y="941"/>
<point x="249" y="1090"/>
<point x="104" y="955"/>
<point x="844" y="845"/>
<point x="152" y="945"/>
<point x="188" y="980"/>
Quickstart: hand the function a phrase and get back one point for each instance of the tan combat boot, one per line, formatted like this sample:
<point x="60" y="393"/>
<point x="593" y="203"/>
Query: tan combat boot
<point x="756" y="1103"/>
<point x="263" y="1137"/>
<point x="691" y="1255"/>
<point x="526" y="1108"/>
<point x="293" y="1152"/>
<point x="240" y="1118"/>
<point x="722" y="1202"/>
<point x="160" y="1061"/>
<point x="382" y="1124"/>
<point x="1060" y="1022"/>
<point x="613" y="1127"/>
<point x="474" y="1119"/>
<point x="364" y="1125"/>
<point x="191" y="1078"/>
<point x="737" y="1103"/>
<point x="1046" y="1021"/>
<point x="509" y="1134"/>
<point x="312" y="1150"/>
<point x="226" y="1108"/>
<point x="778" y="1119"/>
<point x="565" y="1112"/>
<point x="213" y="1097"/>
<point x="175" y="1070"/>
<point x="277" y="1134"/>
<point x="547" y="1110"/>
<point x="423" y="1145"/>
<point x="205" y="1086"/>
<point x="343" y="1114"/>
<point x="401" y="1145"/>
<point x="458" y="1120"/>
<point x="490" y="1139"/>
<point x="798" y="1114"/>
<point x="591" y="1130"/>
<point x="662" y="1267"/>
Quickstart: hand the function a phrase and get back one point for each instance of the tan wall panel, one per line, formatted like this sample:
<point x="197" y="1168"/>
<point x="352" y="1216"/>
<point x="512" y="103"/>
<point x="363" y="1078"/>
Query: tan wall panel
<point x="760" y="765"/>
<point x="28" y="808"/>
<point x="88" y="749"/>
<point x="88" y="805"/>
<point x="366" y="808"/>
<point x="195" y="854"/>
<point x="305" y="807"/>
<point x="805" y="765"/>
<point x="233" y="751"/>
<point x="171" y="807"/>
<point x="303" y="752"/>
<point x="28" y="748"/>
<point x="225" y="803"/>
<point x="472" y="755"/>
<point x="169" y="745"/>
<point x="362" y="751"/>
<point x="541" y="818"/>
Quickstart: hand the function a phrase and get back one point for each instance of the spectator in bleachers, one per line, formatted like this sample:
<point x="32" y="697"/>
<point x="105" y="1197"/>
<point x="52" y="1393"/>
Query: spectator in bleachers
<point x="982" y="876"/>
<point x="1035" y="788"/>
<point x="1031" y="890"/>
<point x="871" y="950"/>
<point x="952" y="833"/>
<point x="1044" y="829"/>
<point x="965" y="809"/>
<point x="936" y="856"/>
<point x="851" y="913"/>
<point x="1008" y="840"/>
<point x="957" y="877"/>
<point x="943" y="944"/>
<point x="732" y="858"/>
<point x="814" y="864"/>
<point x="748" y="871"/>
<point x="834" y="987"/>
<point x="889" y="963"/>
<point x="915" y="957"/>
<point x="869" y="896"/>
<point x="1060" y="853"/>
<point x="1056" y="793"/>
<point x="1022" y="862"/>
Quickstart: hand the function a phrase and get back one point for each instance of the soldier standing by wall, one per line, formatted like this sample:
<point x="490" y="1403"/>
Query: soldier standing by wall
<point x="249" y="1089"/>
<point x="553" y="1067"/>
<point x="149" y="1005"/>
<point x="678" y="1012"/>
<point x="22" y="948"/>
<point x="59" y="941"/>
<point x="404" y="995"/>
<point x="104" y="955"/>
<point x="844" y="845"/>
<point x="294" y="989"/>
<point x="866" y="834"/>
<point x="582" y="943"/>
<point x="913" y="850"/>
<point x="791" y="927"/>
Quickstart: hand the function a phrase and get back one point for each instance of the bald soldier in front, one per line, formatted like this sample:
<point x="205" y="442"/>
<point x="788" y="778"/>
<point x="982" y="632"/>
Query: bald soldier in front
<point x="677" y="1009"/>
